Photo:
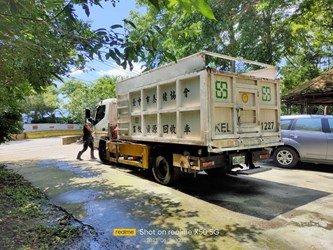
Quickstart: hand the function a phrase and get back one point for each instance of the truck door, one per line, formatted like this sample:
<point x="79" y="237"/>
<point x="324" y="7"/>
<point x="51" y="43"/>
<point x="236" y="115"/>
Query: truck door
<point x="234" y="110"/>
<point x="105" y="116"/>
<point x="246" y="108"/>
<point x="244" y="111"/>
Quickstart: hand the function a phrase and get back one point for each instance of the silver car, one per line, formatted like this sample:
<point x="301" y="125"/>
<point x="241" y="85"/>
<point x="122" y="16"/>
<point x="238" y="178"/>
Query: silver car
<point x="307" y="138"/>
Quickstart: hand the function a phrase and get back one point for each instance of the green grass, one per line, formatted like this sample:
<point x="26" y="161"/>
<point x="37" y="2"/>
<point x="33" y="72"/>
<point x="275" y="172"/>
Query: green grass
<point x="28" y="220"/>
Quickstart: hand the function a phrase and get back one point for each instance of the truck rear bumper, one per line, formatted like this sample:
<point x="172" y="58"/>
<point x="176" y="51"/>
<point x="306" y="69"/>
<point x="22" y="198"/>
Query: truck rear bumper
<point x="191" y="164"/>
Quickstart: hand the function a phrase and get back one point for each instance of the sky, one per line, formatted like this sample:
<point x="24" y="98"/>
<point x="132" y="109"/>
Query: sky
<point x="104" y="18"/>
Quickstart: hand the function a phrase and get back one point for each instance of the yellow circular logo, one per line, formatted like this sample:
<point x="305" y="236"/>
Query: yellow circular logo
<point x="245" y="97"/>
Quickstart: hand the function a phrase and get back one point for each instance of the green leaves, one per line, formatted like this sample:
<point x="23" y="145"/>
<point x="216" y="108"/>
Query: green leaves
<point x="185" y="5"/>
<point x="86" y="9"/>
<point x="42" y="40"/>
<point x="156" y="4"/>
<point x="114" y="56"/>
<point x="10" y="124"/>
<point x="38" y="106"/>
<point x="126" y="21"/>
<point x="116" y="26"/>
<point x="309" y="46"/>
<point x="81" y="95"/>
<point x="297" y="33"/>
<point x="37" y="46"/>
<point x="204" y="9"/>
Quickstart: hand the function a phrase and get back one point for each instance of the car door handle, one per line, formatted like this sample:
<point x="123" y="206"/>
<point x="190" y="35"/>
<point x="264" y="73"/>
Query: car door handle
<point x="294" y="136"/>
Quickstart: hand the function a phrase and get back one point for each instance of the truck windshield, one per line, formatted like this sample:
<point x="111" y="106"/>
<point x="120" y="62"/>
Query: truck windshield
<point x="100" y="113"/>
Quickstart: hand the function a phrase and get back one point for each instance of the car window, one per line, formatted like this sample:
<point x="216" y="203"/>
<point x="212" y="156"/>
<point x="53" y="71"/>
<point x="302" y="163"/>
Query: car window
<point x="330" y="123"/>
<point x="308" y="124"/>
<point x="285" y="124"/>
<point x="100" y="113"/>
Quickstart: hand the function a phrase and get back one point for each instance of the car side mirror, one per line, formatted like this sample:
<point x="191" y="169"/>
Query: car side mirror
<point x="87" y="113"/>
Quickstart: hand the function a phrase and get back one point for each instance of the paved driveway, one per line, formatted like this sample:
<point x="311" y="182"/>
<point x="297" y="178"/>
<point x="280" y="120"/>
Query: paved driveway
<point x="278" y="209"/>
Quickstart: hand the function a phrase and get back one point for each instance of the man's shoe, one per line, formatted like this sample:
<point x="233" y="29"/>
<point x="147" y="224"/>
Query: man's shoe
<point x="79" y="156"/>
<point x="92" y="155"/>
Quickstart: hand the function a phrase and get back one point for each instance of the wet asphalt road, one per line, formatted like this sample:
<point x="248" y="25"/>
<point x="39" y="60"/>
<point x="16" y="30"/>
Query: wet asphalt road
<point x="278" y="209"/>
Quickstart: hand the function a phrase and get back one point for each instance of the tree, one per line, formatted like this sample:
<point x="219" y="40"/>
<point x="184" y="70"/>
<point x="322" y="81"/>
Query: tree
<point x="243" y="29"/>
<point x="10" y="124"/>
<point x="43" y="40"/>
<point x="81" y="95"/>
<point x="30" y="35"/>
<point x="41" y="107"/>
<point x="310" y="49"/>
<point x="294" y="34"/>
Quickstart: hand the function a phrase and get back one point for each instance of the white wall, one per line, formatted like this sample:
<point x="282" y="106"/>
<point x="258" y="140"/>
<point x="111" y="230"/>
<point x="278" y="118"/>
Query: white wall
<point x="50" y="126"/>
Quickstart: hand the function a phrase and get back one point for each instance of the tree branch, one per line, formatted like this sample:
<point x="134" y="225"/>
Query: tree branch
<point x="22" y="17"/>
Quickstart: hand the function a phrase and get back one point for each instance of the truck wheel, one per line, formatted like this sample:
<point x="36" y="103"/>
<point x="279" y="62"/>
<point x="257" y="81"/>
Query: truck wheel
<point x="285" y="157"/>
<point x="102" y="151"/>
<point x="162" y="170"/>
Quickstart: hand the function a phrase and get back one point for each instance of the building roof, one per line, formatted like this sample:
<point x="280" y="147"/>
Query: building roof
<point x="316" y="91"/>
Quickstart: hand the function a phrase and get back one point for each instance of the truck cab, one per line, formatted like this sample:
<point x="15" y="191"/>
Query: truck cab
<point x="105" y="117"/>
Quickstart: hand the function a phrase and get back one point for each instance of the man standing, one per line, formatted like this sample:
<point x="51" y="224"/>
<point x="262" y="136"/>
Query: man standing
<point x="88" y="141"/>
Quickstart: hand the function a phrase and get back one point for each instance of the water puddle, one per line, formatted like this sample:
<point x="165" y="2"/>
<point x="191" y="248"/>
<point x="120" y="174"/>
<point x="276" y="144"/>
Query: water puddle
<point x="107" y="215"/>
<point x="66" y="166"/>
<point x="78" y="196"/>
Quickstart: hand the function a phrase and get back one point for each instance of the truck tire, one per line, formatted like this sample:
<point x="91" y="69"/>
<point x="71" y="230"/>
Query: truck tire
<point x="285" y="157"/>
<point x="162" y="170"/>
<point x="102" y="151"/>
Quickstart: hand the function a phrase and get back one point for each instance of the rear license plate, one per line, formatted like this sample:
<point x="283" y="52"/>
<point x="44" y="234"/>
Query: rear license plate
<point x="240" y="159"/>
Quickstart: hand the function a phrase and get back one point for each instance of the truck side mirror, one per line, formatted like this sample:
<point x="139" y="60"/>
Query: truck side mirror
<point x="87" y="113"/>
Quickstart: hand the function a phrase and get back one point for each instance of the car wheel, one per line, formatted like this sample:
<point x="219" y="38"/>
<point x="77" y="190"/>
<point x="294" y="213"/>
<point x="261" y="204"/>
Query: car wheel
<point x="285" y="157"/>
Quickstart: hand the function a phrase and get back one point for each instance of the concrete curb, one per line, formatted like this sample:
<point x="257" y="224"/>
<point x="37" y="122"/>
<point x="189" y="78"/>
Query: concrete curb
<point x="43" y="134"/>
<point x="70" y="139"/>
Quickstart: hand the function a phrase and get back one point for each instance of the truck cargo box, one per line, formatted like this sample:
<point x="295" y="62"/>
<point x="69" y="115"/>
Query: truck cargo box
<point x="187" y="102"/>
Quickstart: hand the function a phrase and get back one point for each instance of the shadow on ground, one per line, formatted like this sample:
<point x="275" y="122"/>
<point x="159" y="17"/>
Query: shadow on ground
<point x="246" y="194"/>
<point x="320" y="168"/>
<point x="105" y="205"/>
<point x="160" y="222"/>
<point x="316" y="167"/>
<point x="251" y="196"/>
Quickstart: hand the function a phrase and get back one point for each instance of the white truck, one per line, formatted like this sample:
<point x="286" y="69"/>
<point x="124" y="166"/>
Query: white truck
<point x="189" y="117"/>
